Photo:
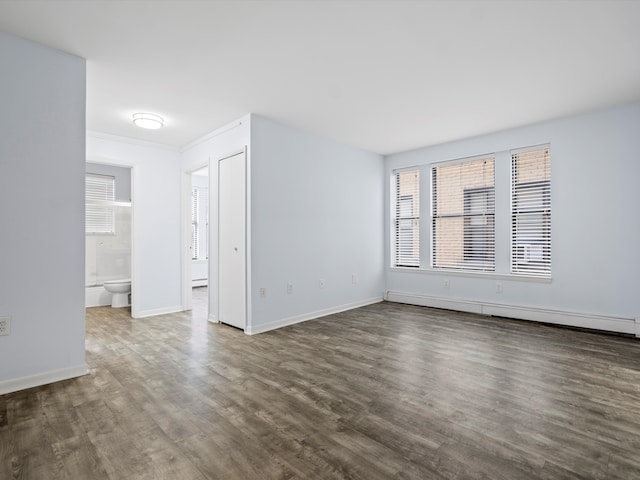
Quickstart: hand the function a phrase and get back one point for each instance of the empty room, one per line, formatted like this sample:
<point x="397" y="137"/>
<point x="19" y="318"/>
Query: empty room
<point x="359" y="239"/>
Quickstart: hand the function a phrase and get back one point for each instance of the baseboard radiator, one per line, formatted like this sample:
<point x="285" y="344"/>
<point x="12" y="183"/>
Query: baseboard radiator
<point x="628" y="326"/>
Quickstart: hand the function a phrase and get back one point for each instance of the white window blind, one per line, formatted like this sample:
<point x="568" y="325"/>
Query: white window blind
<point x="407" y="218"/>
<point x="463" y="220"/>
<point x="531" y="212"/>
<point x="199" y="223"/>
<point x="194" y="224"/>
<point x="203" y="230"/>
<point x="99" y="209"/>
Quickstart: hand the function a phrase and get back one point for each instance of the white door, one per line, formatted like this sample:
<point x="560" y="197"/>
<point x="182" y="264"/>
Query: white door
<point x="232" y="241"/>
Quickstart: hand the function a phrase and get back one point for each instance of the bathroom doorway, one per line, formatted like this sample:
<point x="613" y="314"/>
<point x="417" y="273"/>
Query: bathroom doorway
<point x="108" y="233"/>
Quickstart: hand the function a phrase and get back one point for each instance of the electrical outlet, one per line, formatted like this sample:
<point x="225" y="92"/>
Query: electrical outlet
<point x="321" y="283"/>
<point x="445" y="284"/>
<point x="498" y="288"/>
<point x="5" y="325"/>
<point x="263" y="292"/>
<point x="354" y="279"/>
<point x="290" y="288"/>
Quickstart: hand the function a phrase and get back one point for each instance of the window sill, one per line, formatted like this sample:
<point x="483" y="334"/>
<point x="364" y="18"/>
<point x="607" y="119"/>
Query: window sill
<point x="470" y="274"/>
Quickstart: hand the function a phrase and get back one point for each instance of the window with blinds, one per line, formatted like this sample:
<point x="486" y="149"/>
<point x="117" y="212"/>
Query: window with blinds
<point x="99" y="209"/>
<point x="531" y="211"/>
<point x="407" y="218"/>
<point x="194" y="223"/>
<point x="463" y="215"/>
<point x="199" y="223"/>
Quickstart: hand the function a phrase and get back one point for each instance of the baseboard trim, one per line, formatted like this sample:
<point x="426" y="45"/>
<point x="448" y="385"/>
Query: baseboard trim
<point x="22" y="383"/>
<point x="572" y="319"/>
<point x="157" y="311"/>
<point x="255" y="329"/>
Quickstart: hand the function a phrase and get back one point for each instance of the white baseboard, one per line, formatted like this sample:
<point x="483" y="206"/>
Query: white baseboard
<point x="22" y="383"/>
<point x="156" y="311"/>
<point x="254" y="329"/>
<point x="212" y="318"/>
<point x="572" y="319"/>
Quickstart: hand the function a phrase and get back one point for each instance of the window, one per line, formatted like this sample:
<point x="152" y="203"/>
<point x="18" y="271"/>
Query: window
<point x="531" y="212"/>
<point x="99" y="197"/>
<point x="463" y="231"/>
<point x="199" y="223"/>
<point x="407" y="217"/>
<point x="194" y="224"/>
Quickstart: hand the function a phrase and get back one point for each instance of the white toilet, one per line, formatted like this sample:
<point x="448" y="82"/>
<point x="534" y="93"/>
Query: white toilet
<point x="120" y="290"/>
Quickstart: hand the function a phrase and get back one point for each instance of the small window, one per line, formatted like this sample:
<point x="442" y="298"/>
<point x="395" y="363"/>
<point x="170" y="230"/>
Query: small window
<point x="194" y="224"/>
<point x="99" y="209"/>
<point x="407" y="218"/>
<point x="531" y="212"/>
<point x="463" y="219"/>
<point x="199" y="223"/>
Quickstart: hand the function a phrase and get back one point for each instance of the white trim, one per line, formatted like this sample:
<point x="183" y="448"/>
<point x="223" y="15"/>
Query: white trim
<point x="212" y="318"/>
<point x="157" y="311"/>
<point x="573" y="319"/>
<point x="30" y="381"/>
<point x="131" y="141"/>
<point x="209" y="136"/>
<point x="251" y="330"/>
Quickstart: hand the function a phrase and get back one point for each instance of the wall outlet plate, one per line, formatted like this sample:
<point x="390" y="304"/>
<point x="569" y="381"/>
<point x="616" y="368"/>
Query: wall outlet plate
<point x="5" y="326"/>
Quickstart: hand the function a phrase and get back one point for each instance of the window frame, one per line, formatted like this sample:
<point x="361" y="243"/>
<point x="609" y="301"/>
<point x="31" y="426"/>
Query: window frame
<point x="531" y="267"/>
<point x="466" y="265"/>
<point x="405" y="255"/>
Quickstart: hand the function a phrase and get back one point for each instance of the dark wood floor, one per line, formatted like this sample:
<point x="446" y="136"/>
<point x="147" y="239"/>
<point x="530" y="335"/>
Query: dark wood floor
<point x="385" y="391"/>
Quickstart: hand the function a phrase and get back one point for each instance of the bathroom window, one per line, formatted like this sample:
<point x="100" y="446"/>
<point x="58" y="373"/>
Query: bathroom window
<point x="99" y="197"/>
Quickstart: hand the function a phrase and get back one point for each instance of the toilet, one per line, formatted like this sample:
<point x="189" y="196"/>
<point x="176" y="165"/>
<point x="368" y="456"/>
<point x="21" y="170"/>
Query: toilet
<point x="120" y="290"/>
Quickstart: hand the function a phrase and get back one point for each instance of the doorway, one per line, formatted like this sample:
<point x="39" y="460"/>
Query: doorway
<point x="199" y="242"/>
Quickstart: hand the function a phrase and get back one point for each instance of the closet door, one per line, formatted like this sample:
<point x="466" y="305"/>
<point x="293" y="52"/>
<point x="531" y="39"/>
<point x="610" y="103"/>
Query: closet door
<point x="232" y="271"/>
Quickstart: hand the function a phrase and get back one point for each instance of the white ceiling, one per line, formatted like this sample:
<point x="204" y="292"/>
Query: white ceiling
<point x="385" y="76"/>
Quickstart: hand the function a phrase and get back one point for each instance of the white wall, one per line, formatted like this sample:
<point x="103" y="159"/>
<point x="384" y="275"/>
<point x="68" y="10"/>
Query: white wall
<point x="317" y="211"/>
<point x="42" y="146"/>
<point x="156" y="241"/>
<point x="595" y="223"/>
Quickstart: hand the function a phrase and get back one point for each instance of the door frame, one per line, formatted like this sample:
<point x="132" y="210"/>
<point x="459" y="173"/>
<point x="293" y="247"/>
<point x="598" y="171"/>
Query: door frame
<point x="185" y="240"/>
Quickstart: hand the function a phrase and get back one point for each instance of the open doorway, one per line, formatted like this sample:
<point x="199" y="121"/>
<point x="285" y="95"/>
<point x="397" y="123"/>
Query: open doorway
<point x="199" y="242"/>
<point x="108" y="235"/>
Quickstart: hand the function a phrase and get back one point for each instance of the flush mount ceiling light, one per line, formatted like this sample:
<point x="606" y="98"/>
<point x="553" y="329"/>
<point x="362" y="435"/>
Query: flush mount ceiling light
<point x="148" y="120"/>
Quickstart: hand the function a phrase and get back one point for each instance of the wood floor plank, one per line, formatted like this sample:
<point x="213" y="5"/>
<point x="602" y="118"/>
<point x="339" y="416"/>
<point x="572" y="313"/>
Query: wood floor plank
<point x="386" y="391"/>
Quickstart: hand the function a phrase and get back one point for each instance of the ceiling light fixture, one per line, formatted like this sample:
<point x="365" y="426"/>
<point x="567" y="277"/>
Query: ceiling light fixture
<point x="148" y="120"/>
